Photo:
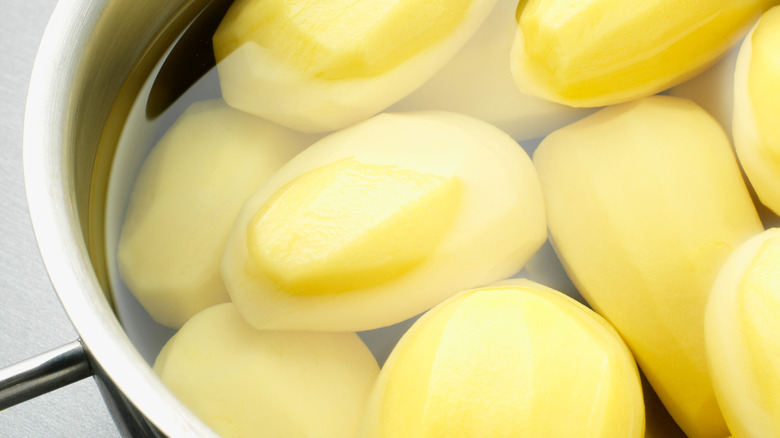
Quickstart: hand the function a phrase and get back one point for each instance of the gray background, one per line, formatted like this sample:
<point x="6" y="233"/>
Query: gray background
<point x="31" y="318"/>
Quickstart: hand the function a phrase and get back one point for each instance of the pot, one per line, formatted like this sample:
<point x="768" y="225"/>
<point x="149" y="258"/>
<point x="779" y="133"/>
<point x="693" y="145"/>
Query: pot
<point x="95" y="57"/>
<point x="92" y="54"/>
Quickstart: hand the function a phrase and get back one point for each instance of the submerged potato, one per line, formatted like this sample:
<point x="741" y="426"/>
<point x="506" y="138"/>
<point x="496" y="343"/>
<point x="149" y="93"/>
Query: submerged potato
<point x="645" y="201"/>
<point x="320" y="66"/>
<point x="383" y="220"/>
<point x="743" y="346"/>
<point x="757" y="108"/>
<point x="478" y="82"/>
<point x="184" y="201"/>
<point x="244" y="382"/>
<point x="512" y="359"/>
<point x="600" y="52"/>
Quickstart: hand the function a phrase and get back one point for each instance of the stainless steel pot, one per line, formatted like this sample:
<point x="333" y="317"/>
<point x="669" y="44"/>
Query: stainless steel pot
<point x="91" y="53"/>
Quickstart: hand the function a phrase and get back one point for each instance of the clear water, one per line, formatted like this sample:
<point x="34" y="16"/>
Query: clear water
<point x="141" y="132"/>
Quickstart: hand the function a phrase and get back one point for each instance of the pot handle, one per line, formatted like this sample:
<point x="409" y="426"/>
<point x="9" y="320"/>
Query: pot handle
<point x="43" y="373"/>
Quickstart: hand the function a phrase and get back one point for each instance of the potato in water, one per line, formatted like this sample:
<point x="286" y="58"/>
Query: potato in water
<point x="184" y="201"/>
<point x="244" y="382"/>
<point x="599" y="52"/>
<point x="319" y="66"/>
<point x="383" y="220"/>
<point x="645" y="201"/>
<point x="511" y="359"/>
<point x="757" y="108"/>
<point x="743" y="347"/>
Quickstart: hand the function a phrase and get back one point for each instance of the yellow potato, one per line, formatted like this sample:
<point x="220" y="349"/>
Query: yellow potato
<point x="600" y="52"/>
<point x="184" y="201"/>
<point x="512" y="359"/>
<point x="320" y="66"/>
<point x="383" y="220"/>
<point x="743" y="348"/>
<point x="244" y="382"/>
<point x="645" y="201"/>
<point x="757" y="108"/>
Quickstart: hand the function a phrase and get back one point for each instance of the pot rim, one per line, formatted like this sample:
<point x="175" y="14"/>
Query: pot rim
<point x="48" y="127"/>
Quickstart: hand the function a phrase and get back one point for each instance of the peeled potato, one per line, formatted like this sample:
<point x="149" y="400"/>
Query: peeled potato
<point x="743" y="346"/>
<point x="478" y="82"/>
<point x="383" y="220"/>
<point x="512" y="359"/>
<point x="645" y="201"/>
<point x="244" y="382"/>
<point x="184" y="201"/>
<point x="600" y="52"/>
<point x="321" y="66"/>
<point x="757" y="108"/>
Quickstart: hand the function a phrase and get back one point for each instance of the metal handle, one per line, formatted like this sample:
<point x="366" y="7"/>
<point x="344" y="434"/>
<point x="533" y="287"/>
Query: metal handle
<point x="43" y="373"/>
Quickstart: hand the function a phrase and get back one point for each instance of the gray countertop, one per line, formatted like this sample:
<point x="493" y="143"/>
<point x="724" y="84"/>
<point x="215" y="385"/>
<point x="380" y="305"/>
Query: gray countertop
<point x="31" y="318"/>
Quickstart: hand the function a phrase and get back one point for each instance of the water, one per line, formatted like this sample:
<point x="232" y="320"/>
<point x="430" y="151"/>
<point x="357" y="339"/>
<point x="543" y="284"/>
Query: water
<point x="152" y="114"/>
